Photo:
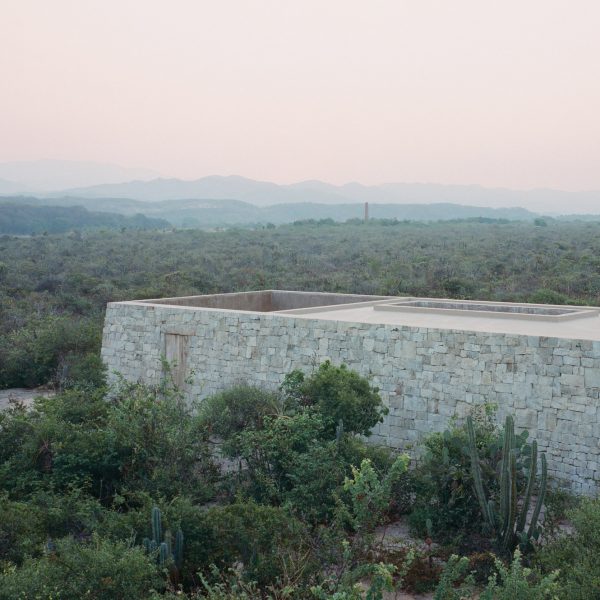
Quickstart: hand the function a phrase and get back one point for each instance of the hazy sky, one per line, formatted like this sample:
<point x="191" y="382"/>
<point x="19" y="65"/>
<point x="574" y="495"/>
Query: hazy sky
<point x="500" y="93"/>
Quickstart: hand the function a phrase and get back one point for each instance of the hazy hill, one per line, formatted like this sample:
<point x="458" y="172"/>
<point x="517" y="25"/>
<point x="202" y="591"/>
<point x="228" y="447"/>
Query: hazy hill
<point x="49" y="175"/>
<point x="264" y="193"/>
<point x="213" y="213"/>
<point x="10" y="187"/>
<point x="260" y="193"/>
<point x="24" y="219"/>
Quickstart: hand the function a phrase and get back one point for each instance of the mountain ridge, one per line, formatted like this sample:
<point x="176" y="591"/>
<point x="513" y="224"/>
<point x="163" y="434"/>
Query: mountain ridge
<point x="48" y="175"/>
<point x="262" y="193"/>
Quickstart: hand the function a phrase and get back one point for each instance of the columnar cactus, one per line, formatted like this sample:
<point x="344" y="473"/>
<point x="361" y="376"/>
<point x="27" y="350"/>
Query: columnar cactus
<point x="508" y="523"/>
<point x="167" y="554"/>
<point x="156" y="525"/>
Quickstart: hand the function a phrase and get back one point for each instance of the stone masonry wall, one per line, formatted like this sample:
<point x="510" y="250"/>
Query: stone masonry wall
<point x="425" y="376"/>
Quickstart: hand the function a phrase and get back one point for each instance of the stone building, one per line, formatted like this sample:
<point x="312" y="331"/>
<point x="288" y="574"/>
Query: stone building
<point x="430" y="358"/>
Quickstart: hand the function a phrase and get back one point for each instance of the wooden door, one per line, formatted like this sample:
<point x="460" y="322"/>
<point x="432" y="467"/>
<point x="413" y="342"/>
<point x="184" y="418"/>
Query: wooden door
<point x="176" y="351"/>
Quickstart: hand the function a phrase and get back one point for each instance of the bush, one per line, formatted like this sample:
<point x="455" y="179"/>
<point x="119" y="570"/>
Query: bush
<point x="26" y="526"/>
<point x="45" y="350"/>
<point x="87" y="371"/>
<point x="142" y="439"/>
<point x="266" y="541"/>
<point x="516" y="582"/>
<point x="443" y="482"/>
<point x="294" y="451"/>
<point x="370" y="494"/>
<point x="91" y="466"/>
<point x="575" y="555"/>
<point x="71" y="570"/>
<point x="241" y="408"/>
<point x="512" y="582"/>
<point x="162" y="443"/>
<point x="340" y="395"/>
<point x="21" y="530"/>
<point x="287" y="460"/>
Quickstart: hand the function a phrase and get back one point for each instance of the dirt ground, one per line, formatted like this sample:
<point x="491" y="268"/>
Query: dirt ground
<point x="21" y="395"/>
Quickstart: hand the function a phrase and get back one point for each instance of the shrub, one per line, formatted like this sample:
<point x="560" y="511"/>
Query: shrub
<point x="455" y="572"/>
<point x="45" y="348"/>
<point x="294" y="451"/>
<point x="288" y="461"/>
<point x="575" y="555"/>
<point x="142" y="439"/>
<point x="340" y="395"/>
<point x="444" y="492"/>
<point x="238" y="409"/>
<point x="25" y="526"/>
<point x="71" y="570"/>
<point x="517" y="582"/>
<point x="161" y="443"/>
<point x="85" y="370"/>
<point x="512" y="582"/>
<point x="61" y="441"/>
<point x="369" y="494"/>
<point x="21" y="530"/>
<point x="266" y="541"/>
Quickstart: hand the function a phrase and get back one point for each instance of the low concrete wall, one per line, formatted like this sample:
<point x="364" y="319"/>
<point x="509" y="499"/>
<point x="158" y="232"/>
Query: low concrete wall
<point x="265" y="301"/>
<point x="550" y="385"/>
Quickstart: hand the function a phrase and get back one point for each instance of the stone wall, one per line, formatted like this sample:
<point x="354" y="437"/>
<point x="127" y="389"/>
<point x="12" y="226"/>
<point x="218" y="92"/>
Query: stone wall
<point x="425" y="376"/>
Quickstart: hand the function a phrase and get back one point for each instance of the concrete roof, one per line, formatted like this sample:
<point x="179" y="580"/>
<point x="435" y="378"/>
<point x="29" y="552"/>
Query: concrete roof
<point x="581" y="323"/>
<point x="570" y="322"/>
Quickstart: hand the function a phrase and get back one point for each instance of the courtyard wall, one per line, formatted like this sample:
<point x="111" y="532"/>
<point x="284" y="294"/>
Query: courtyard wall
<point x="425" y="376"/>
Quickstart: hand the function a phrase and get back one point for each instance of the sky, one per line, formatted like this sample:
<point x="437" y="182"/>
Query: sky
<point x="499" y="93"/>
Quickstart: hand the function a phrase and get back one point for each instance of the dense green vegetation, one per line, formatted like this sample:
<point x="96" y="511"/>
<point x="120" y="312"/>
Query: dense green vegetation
<point x="24" y="219"/>
<point x="54" y="288"/>
<point x="131" y="494"/>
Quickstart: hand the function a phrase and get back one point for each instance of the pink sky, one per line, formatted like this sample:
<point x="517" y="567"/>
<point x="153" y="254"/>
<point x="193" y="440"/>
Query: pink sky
<point x="500" y="93"/>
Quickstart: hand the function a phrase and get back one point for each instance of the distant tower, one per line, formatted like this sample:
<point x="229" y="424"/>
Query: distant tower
<point x="366" y="211"/>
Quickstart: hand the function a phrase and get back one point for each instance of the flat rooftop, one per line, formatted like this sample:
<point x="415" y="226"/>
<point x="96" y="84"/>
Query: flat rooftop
<point x="572" y="322"/>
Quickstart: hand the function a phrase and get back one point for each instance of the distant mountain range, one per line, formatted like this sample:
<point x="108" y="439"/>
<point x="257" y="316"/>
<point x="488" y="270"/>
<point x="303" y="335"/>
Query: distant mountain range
<point x="262" y="193"/>
<point x="60" y="179"/>
<point x="42" y="176"/>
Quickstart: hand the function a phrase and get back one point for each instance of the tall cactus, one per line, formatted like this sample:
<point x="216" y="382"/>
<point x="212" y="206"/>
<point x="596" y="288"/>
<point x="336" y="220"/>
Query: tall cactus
<point x="167" y="553"/>
<point x="533" y="531"/>
<point x="508" y="523"/>
<point x="163" y="554"/>
<point x="156" y="525"/>
<point x="178" y="549"/>
<point x="487" y="514"/>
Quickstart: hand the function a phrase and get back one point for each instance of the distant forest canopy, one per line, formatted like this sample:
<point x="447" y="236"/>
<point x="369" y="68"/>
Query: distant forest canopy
<point x="23" y="219"/>
<point x="211" y="213"/>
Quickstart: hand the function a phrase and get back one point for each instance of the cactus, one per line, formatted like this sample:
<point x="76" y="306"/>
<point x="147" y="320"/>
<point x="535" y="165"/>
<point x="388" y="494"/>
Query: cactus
<point x="509" y="521"/>
<point x="156" y="525"/>
<point x="534" y="532"/>
<point x="178" y="549"/>
<point x="163" y="554"/>
<point x="167" y="553"/>
<point x="486" y="507"/>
